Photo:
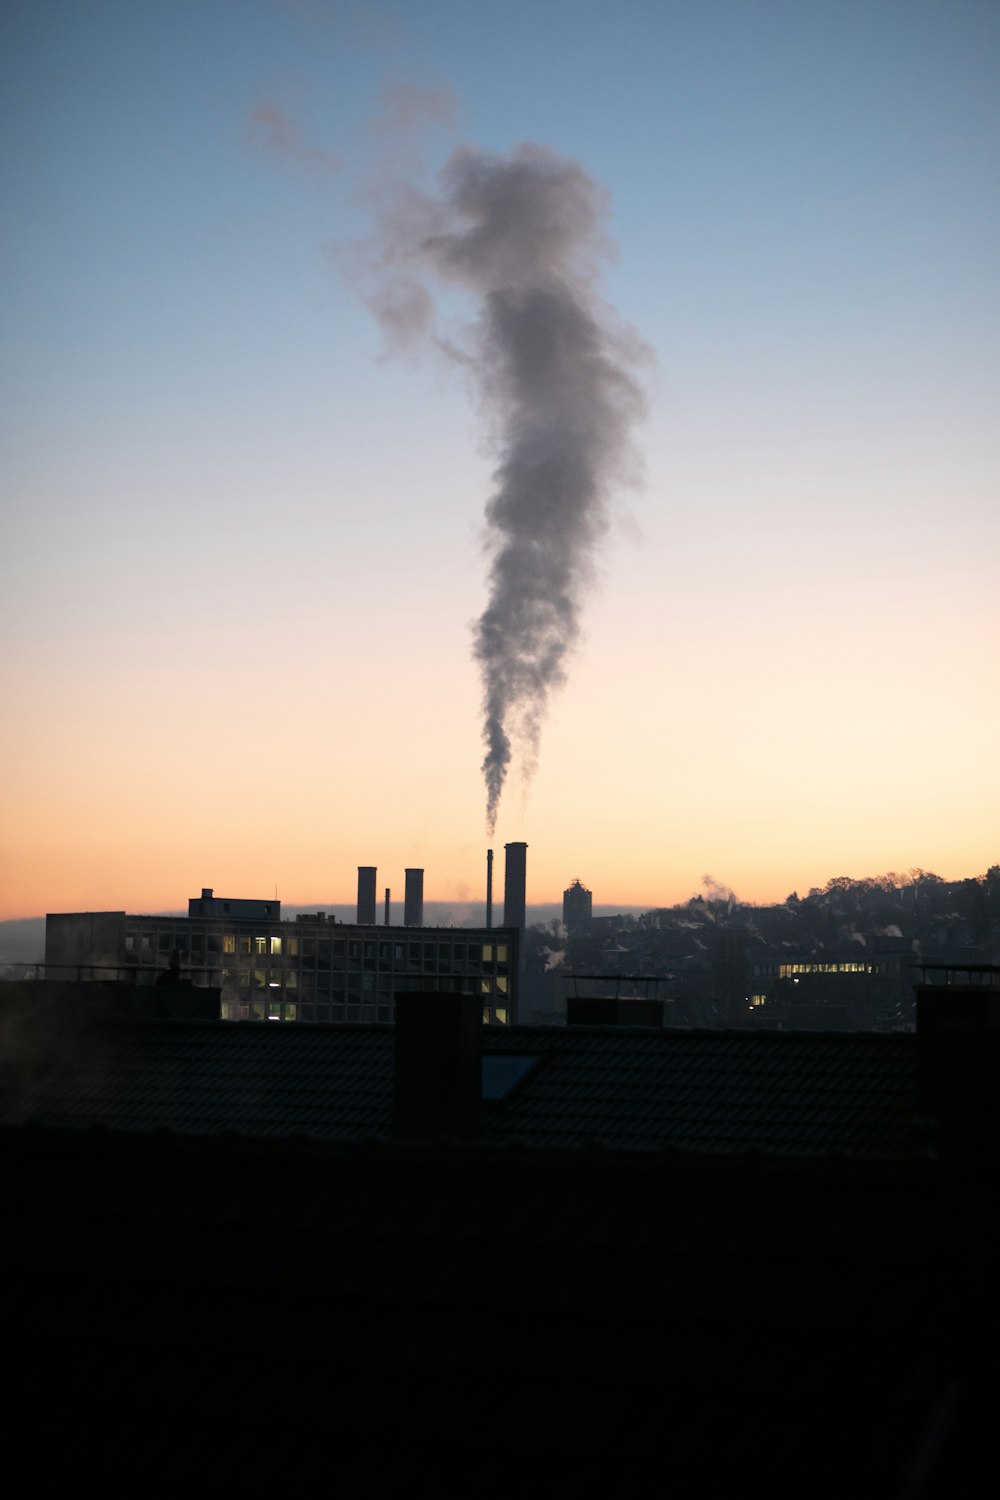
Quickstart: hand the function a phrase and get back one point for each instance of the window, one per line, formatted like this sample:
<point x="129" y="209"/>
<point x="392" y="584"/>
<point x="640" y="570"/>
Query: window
<point x="291" y="980"/>
<point x="260" y="944"/>
<point x="130" y="943"/>
<point x="244" y="945"/>
<point x="292" y="947"/>
<point x="229" y="943"/>
<point x="276" y="945"/>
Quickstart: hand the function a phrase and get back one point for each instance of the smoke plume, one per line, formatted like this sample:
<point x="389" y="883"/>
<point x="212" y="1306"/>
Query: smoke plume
<point x="523" y="233"/>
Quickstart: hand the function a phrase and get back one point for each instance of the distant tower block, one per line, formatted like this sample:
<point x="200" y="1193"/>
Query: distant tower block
<point x="366" y="895"/>
<point x="514" y="884"/>
<point x="578" y="909"/>
<point x="413" y="899"/>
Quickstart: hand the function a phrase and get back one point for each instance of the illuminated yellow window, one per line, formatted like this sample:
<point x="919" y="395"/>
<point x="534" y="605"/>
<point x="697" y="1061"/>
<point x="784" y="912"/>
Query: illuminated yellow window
<point x="486" y="986"/>
<point x="229" y="943"/>
<point x="502" y="984"/>
<point x="488" y="953"/>
<point x="501" y="953"/>
<point x="260" y="944"/>
<point x="276" y="945"/>
<point x="291" y="980"/>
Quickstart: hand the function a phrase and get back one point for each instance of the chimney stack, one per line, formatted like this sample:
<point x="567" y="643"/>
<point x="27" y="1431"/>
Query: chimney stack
<point x="366" y="895"/>
<point x="387" y="894"/>
<point x="437" y="1089"/>
<point x="489" y="889"/>
<point x="413" y="900"/>
<point x="515" y="873"/>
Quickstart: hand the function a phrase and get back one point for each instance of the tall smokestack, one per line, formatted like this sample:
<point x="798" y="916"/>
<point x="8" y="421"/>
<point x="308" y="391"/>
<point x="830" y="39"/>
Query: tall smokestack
<point x="366" y="895"/>
<point x="489" y="888"/>
<point x="514" y="885"/>
<point x="413" y="900"/>
<point x="387" y="895"/>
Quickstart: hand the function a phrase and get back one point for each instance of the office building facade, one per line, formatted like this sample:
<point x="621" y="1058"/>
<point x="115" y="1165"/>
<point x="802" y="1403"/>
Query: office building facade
<point x="269" y="968"/>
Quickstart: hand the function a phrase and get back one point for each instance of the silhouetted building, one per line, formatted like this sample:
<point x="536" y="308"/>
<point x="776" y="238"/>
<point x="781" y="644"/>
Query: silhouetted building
<point x="309" y="969"/>
<point x="578" y="909"/>
<point x="366" y="895"/>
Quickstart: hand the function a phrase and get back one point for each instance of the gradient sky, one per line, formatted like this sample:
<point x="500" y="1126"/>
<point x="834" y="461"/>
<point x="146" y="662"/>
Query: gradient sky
<point x="242" y="551"/>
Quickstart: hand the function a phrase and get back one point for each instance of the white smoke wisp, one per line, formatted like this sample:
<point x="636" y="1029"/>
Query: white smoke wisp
<point x="523" y="233"/>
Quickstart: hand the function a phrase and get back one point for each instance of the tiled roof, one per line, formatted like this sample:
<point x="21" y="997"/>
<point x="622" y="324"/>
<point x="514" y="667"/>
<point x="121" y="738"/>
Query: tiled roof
<point x="621" y="1088"/>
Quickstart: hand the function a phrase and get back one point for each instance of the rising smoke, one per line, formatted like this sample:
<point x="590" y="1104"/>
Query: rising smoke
<point x="555" y="372"/>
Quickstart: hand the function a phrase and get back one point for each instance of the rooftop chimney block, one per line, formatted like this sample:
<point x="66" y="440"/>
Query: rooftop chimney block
<point x="438" y="1084"/>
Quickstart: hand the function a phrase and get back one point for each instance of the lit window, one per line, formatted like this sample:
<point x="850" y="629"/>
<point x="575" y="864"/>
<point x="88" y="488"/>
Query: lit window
<point x="260" y="978"/>
<point x="276" y="945"/>
<point x="244" y="945"/>
<point x="229" y="943"/>
<point x="291" y="981"/>
<point x="290" y="1012"/>
<point x="260" y="944"/>
<point x="501" y="953"/>
<point x="488" y="952"/>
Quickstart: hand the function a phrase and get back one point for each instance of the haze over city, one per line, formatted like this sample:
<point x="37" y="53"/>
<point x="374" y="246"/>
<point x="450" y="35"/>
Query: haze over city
<point x="250" y="621"/>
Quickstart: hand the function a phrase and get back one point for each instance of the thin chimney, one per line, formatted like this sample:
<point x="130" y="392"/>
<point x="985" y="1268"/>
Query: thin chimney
<point x="387" y="894"/>
<point x="489" y="889"/>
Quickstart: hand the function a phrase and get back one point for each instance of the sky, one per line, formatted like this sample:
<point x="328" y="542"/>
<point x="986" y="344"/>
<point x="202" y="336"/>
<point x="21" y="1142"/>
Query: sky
<point x="243" y="540"/>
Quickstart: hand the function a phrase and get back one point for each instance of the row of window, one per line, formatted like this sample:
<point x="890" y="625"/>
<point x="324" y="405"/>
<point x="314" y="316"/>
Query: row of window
<point x="322" y="948"/>
<point x="307" y="984"/>
<point x="273" y="1010"/>
<point x="785" y="971"/>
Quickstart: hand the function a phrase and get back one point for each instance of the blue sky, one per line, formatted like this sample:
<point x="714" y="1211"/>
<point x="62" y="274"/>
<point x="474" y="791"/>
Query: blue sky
<point x="224" y="511"/>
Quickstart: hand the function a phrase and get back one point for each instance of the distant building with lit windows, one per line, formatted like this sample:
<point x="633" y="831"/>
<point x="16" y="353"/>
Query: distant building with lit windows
<point x="862" y="988"/>
<point x="268" y="968"/>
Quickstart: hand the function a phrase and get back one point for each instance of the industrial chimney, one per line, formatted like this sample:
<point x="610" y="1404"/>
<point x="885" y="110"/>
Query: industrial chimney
<point x="515" y="872"/>
<point x="413" y="900"/>
<point x="489" y="889"/>
<point x="366" y="895"/>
